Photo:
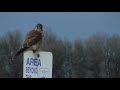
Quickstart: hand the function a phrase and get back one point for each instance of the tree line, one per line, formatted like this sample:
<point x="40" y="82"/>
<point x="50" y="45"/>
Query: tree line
<point x="95" y="57"/>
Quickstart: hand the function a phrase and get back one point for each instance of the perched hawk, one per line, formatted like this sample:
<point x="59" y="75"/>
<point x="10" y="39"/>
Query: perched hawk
<point x="32" y="40"/>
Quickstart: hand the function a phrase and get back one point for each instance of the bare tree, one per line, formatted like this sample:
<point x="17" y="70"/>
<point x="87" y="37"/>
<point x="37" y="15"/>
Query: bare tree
<point x="9" y="43"/>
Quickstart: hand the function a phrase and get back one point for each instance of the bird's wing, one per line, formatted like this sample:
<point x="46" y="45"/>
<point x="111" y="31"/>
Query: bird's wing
<point x="31" y="38"/>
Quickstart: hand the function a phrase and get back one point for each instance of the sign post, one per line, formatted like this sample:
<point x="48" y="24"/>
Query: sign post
<point x="37" y="67"/>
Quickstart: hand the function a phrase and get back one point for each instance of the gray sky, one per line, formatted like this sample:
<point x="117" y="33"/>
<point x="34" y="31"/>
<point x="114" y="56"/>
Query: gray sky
<point x="68" y="25"/>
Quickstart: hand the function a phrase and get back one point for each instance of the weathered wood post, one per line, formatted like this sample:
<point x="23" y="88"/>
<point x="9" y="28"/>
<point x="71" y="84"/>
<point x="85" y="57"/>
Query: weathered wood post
<point x="37" y="67"/>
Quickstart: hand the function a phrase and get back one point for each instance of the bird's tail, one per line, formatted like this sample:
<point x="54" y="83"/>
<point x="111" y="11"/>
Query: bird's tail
<point x="19" y="52"/>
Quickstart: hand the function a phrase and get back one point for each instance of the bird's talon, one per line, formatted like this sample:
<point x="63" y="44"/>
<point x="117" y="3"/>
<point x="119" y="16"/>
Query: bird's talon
<point x="38" y="55"/>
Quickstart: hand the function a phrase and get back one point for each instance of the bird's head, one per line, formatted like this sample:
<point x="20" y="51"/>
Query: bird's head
<point x="39" y="27"/>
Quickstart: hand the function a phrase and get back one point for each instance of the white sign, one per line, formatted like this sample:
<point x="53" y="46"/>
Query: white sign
<point x="37" y="67"/>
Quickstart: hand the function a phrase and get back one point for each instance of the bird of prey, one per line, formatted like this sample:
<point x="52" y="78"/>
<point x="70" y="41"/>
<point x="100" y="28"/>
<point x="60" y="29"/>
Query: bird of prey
<point x="32" y="40"/>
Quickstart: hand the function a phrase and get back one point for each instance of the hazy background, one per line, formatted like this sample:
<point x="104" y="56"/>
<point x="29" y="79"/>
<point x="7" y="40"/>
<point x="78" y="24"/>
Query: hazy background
<point x="69" y="25"/>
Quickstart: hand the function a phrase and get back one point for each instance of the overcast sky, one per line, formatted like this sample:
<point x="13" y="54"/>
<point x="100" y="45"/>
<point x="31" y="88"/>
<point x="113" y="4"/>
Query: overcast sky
<point x="68" y="25"/>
